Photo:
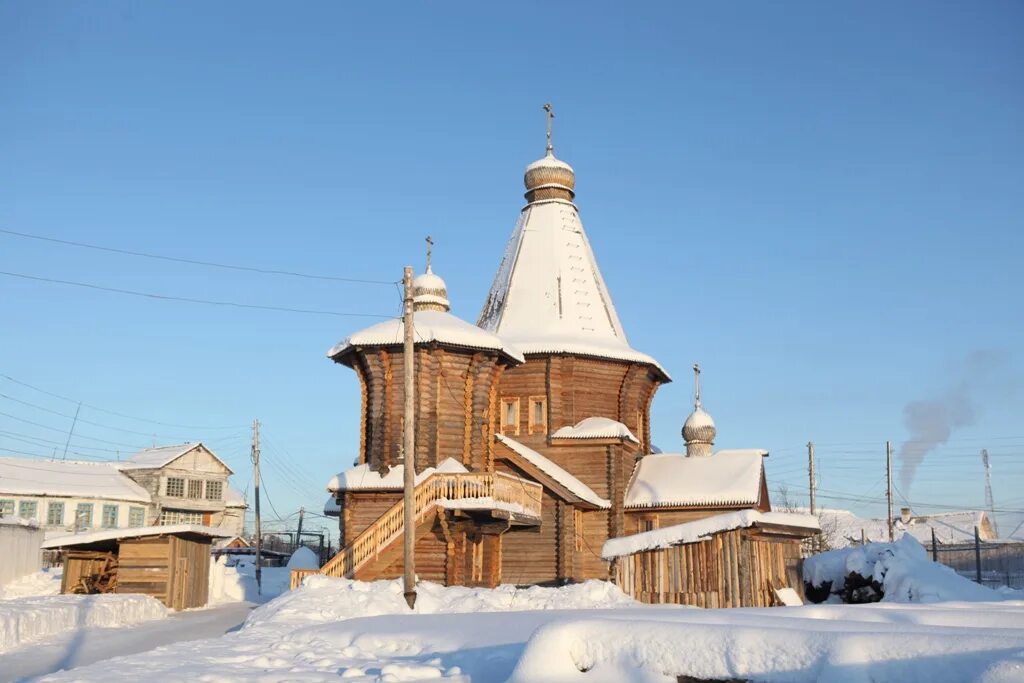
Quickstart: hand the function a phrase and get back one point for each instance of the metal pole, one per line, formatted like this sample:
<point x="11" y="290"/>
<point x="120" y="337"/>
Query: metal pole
<point x="935" y="547"/>
<point x="977" y="554"/>
<point x="812" y="485"/>
<point x="298" y="534"/>
<point x="409" y="449"/>
<point x="256" y="486"/>
<point x="72" y="431"/>
<point x="888" y="484"/>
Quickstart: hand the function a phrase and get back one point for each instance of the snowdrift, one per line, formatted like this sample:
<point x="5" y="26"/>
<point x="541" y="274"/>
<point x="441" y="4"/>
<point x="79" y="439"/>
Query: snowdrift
<point x="889" y="572"/>
<point x="24" y="620"/>
<point x="42" y="582"/>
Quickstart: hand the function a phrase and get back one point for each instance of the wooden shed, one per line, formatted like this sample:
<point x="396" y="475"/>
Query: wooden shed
<point x="170" y="563"/>
<point x="735" y="559"/>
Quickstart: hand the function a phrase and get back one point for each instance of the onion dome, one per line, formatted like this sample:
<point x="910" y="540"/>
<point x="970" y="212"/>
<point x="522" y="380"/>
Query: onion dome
<point x="429" y="293"/>
<point x="699" y="429"/>
<point x="549" y="178"/>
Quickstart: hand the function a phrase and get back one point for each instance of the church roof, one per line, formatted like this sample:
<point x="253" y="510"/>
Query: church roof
<point x="596" y="428"/>
<point x="571" y="483"/>
<point x="429" y="326"/>
<point x="548" y="295"/>
<point x="729" y="477"/>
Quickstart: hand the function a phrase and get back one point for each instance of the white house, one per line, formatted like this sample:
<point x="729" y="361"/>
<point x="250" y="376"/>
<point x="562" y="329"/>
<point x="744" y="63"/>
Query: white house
<point x="168" y="485"/>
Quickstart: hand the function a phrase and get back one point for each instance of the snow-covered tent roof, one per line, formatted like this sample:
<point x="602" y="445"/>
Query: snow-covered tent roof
<point x="571" y="483"/>
<point x="729" y="477"/>
<point x="596" y="428"/>
<point x="71" y="540"/>
<point x="25" y="477"/>
<point x="698" y="530"/>
<point x="161" y="456"/>
<point x="429" y="326"/>
<point x="363" y="478"/>
<point x="548" y="295"/>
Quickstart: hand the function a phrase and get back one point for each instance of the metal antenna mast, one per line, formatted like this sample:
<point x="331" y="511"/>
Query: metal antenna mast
<point x="989" y="499"/>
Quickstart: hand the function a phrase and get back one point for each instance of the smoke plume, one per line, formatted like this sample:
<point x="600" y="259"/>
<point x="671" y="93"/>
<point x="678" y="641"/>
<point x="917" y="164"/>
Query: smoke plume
<point x="931" y="421"/>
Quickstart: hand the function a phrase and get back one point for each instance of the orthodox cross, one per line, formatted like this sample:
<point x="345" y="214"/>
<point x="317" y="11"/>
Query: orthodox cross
<point x="696" y="382"/>
<point x="551" y="116"/>
<point x="430" y="248"/>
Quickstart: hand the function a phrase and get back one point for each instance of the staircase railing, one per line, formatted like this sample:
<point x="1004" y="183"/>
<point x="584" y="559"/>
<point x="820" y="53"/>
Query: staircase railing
<point x="499" y="487"/>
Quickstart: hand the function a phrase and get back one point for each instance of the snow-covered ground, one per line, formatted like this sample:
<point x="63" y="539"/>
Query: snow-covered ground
<point x="42" y="582"/>
<point x="333" y="628"/>
<point x="24" y="620"/>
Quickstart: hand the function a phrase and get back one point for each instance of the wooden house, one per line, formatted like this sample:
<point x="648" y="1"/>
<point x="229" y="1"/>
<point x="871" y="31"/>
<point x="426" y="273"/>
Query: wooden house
<point x="170" y="563"/>
<point x="532" y="426"/>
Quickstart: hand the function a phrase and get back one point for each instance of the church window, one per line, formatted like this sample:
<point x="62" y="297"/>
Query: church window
<point x="647" y="523"/>
<point x="510" y="416"/>
<point x="538" y="414"/>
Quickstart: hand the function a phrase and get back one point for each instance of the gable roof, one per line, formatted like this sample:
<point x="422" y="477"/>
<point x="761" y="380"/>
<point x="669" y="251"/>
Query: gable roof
<point x="161" y="456"/>
<point x="730" y="477"/>
<point x="71" y="478"/>
<point x="559" y="475"/>
<point x="548" y="295"/>
<point x="429" y="326"/>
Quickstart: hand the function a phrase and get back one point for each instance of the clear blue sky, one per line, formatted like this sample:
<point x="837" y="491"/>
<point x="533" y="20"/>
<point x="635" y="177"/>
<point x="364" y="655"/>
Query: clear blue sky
<point x="821" y="204"/>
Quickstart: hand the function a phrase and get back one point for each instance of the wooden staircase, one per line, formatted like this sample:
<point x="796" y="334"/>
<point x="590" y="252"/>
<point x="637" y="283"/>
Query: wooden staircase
<point x="481" y="491"/>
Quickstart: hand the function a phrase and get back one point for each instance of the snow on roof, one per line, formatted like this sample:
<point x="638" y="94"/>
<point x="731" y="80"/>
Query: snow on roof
<point x="726" y="478"/>
<point x="429" y="326"/>
<point x="595" y="428"/>
<point x="233" y="499"/>
<point x="161" y="456"/>
<point x="361" y="477"/>
<point x="577" y="487"/>
<point x="71" y="478"/>
<point x="548" y="295"/>
<point x="19" y="521"/>
<point x="70" y="540"/>
<point x="692" y="532"/>
<point x="844" y="528"/>
<point x="332" y="508"/>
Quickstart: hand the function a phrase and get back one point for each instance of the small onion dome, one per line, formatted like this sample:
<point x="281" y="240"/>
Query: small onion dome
<point x="429" y="293"/>
<point x="699" y="432"/>
<point x="549" y="178"/>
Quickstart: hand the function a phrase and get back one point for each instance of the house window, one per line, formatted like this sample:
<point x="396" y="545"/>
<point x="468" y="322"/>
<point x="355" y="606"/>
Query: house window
<point x="175" y="487"/>
<point x="647" y="523"/>
<point x="214" y="490"/>
<point x="6" y="508"/>
<point x="136" y="517"/>
<point x="538" y="414"/>
<point x="55" y="514"/>
<point x="28" y="509"/>
<point x="510" y="416"/>
<point x="577" y="527"/>
<point x="109" y="519"/>
<point x="195" y="488"/>
<point x="180" y="517"/>
<point x="83" y="516"/>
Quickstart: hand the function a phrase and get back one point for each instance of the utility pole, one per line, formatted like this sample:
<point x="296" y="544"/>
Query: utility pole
<point x="888" y="484"/>
<point x="298" y="534"/>
<point x="70" y="432"/>
<point x="409" y="449"/>
<point x="256" y="484"/>
<point x="812" y="483"/>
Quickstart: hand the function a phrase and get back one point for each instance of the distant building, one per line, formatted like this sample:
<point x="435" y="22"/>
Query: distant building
<point x="842" y="528"/>
<point x="184" y="484"/>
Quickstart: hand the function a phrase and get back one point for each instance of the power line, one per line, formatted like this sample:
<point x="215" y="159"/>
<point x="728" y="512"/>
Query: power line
<point x="111" y="412"/>
<point x="80" y="436"/>
<point x="81" y="419"/>
<point x="196" y="262"/>
<point x="209" y="302"/>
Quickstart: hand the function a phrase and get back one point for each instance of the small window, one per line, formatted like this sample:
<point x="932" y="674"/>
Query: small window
<point x="538" y="414"/>
<point x="83" y="516"/>
<point x="55" y="514"/>
<point x="168" y="517"/>
<point x="195" y="488"/>
<point x="175" y="487"/>
<point x="136" y="517"/>
<point x="510" y="415"/>
<point x="647" y="523"/>
<point x="109" y="519"/>
<point x="214" y="490"/>
<point x="28" y="509"/>
<point x="6" y="507"/>
<point x="577" y="527"/>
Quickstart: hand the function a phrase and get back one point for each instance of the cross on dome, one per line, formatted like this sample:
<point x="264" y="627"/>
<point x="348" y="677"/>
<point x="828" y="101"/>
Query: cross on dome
<point x="699" y="429"/>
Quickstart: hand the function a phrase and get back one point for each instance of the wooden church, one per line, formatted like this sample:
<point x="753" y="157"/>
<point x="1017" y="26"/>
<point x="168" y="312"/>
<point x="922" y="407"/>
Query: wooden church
<point x="533" y="456"/>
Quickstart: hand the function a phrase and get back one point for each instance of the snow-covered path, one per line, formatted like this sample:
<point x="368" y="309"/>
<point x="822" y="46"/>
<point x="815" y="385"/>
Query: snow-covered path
<point x="95" y="644"/>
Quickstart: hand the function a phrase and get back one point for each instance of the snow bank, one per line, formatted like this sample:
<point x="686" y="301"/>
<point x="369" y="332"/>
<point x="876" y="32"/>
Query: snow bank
<point x="303" y="558"/>
<point x="24" y="620"/>
<point x="42" y="582"/>
<point x="237" y="582"/>
<point x="892" y="572"/>
<point x="326" y="599"/>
